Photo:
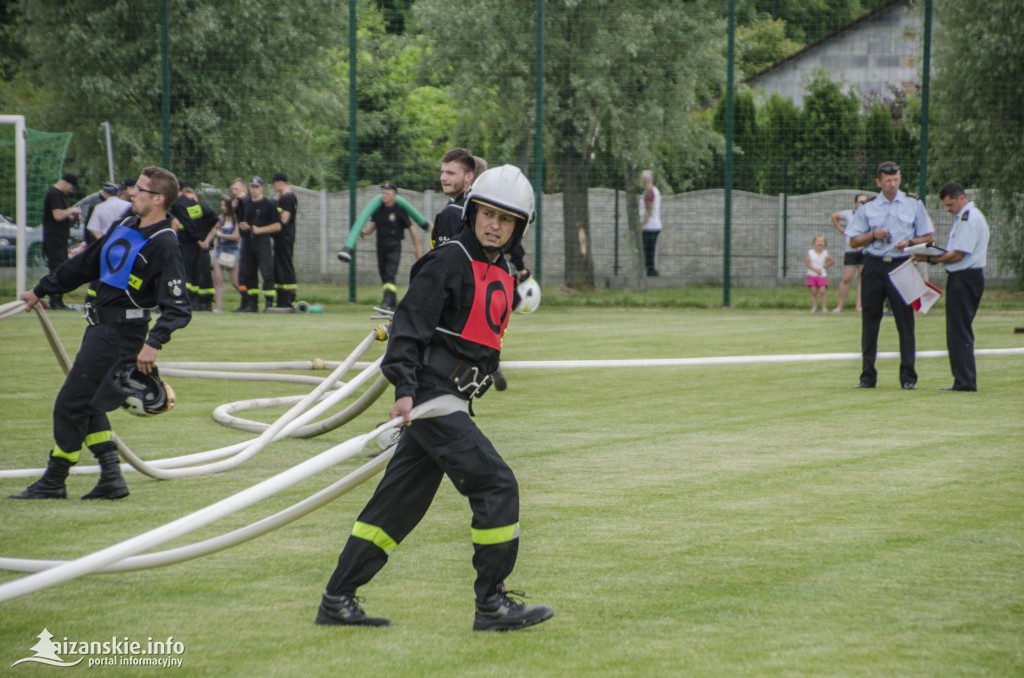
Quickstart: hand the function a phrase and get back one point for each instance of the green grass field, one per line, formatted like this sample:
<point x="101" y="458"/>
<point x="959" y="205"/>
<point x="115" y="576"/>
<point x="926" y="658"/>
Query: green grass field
<point x="744" y="520"/>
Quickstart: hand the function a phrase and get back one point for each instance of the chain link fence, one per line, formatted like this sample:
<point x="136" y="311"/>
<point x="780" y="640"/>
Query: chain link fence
<point x="581" y="96"/>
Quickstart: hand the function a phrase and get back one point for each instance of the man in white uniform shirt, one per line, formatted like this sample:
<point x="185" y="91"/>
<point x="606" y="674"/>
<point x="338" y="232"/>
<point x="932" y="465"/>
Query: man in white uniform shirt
<point x="884" y="227"/>
<point x="965" y="259"/>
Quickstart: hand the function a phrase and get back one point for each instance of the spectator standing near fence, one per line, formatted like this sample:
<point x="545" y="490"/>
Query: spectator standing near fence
<point x="284" y="242"/>
<point x="884" y="227"/>
<point x="650" y="219"/>
<point x="853" y="258"/>
<point x="818" y="261"/>
<point x="57" y="221"/>
<point x="261" y="221"/>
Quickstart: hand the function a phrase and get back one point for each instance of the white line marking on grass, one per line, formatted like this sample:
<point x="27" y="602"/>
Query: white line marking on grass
<point x="729" y="360"/>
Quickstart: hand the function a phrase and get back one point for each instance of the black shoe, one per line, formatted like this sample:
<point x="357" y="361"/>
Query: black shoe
<point x="910" y="386"/>
<point x="51" y="485"/>
<point x="41" y="490"/>
<point x="500" y="382"/>
<point x="109" y="488"/>
<point x="58" y="305"/>
<point x="501" y="613"/>
<point x="955" y="388"/>
<point x="345" y="611"/>
<point x="864" y="384"/>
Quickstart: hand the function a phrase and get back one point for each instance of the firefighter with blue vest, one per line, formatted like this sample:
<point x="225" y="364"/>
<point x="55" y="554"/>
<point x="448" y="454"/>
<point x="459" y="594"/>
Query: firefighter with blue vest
<point x="444" y="343"/>
<point x="139" y="268"/>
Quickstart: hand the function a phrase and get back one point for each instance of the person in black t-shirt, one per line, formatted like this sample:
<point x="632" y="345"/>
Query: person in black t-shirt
<point x="284" y="242"/>
<point x="390" y="222"/>
<point x="57" y="220"/>
<point x="261" y="222"/>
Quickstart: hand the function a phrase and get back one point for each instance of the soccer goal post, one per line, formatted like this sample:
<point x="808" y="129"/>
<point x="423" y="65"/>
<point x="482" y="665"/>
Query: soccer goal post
<point x="20" y="197"/>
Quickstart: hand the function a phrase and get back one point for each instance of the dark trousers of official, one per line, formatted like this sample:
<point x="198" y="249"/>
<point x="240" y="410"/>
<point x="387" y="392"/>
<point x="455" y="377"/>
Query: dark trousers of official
<point x="256" y="259"/>
<point x="55" y="249"/>
<point x="389" y="253"/>
<point x="876" y="287"/>
<point x="963" y="296"/>
<point x="650" y="248"/>
<point x="284" y="267"/>
<point x="428" y="449"/>
<point x="103" y="346"/>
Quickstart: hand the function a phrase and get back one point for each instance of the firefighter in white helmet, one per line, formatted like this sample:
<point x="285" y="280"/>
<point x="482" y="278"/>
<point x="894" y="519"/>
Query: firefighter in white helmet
<point x="444" y="343"/>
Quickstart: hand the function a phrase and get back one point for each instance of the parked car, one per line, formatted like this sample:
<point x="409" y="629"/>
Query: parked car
<point x="9" y="238"/>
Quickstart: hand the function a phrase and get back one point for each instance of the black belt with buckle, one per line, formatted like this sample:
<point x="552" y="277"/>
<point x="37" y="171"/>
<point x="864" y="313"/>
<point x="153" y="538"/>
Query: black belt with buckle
<point x="107" y="315"/>
<point x="888" y="260"/>
<point x="468" y="379"/>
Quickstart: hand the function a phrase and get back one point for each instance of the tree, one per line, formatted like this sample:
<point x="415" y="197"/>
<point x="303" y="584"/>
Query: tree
<point x="830" y="138"/>
<point x="242" y="71"/>
<point x="760" y="44"/>
<point x="977" y="135"/>
<point x="780" y="131"/>
<point x="746" y="142"/>
<point x="618" y="76"/>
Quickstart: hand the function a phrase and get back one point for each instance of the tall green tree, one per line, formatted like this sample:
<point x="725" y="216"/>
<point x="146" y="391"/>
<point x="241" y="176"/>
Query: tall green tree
<point x="977" y="135"/>
<point x="830" y="138"/>
<point x="241" y="73"/>
<point x="780" y="129"/>
<point x="619" y="77"/>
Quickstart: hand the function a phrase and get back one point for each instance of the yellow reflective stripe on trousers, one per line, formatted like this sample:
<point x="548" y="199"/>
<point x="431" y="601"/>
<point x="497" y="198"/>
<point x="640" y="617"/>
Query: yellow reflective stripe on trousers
<point x="374" y="534"/>
<point x="495" y="535"/>
<point x="96" y="438"/>
<point x="390" y="287"/>
<point x="70" y="456"/>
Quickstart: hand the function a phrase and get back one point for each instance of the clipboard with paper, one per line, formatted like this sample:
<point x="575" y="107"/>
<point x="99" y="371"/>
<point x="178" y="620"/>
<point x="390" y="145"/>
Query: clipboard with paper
<point x="924" y="250"/>
<point x="917" y="293"/>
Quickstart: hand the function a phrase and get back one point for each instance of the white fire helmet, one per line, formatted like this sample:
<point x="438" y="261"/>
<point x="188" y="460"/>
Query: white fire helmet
<point x="506" y="188"/>
<point x="529" y="296"/>
<point x="145" y="394"/>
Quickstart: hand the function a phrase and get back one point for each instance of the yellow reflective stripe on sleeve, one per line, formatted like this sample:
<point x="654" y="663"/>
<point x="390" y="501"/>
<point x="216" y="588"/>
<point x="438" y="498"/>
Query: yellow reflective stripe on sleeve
<point x="195" y="211"/>
<point x="135" y="282"/>
<point x="97" y="438"/>
<point x="374" y="534"/>
<point x="70" y="456"/>
<point x="495" y="535"/>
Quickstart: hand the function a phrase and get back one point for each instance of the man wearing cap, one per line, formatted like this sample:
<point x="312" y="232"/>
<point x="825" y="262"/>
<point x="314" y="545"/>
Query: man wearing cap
<point x="284" y="242"/>
<point x="390" y="222"/>
<point x="57" y="220"/>
<point x="884" y="227"/>
<point x="258" y="225"/>
<point x="111" y="210"/>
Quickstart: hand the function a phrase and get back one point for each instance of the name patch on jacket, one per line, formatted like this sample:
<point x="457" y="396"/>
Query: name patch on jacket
<point x="492" y="304"/>
<point x="118" y="256"/>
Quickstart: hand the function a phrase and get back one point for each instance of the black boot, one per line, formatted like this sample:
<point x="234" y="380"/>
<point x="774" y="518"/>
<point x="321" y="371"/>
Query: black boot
<point x="111" y="484"/>
<point x="344" y="610"/>
<point x="390" y="301"/>
<point x="501" y="613"/>
<point x="57" y="303"/>
<point x="51" y="485"/>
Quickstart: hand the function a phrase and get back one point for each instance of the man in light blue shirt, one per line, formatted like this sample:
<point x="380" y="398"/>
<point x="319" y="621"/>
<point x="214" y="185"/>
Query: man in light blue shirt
<point x="884" y="227"/>
<point x="965" y="265"/>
